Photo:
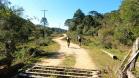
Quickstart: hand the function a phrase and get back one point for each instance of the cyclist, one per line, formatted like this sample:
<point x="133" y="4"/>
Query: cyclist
<point x="68" y="40"/>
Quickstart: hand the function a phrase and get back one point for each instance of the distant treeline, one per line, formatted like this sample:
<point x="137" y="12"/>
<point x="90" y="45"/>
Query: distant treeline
<point x="112" y="29"/>
<point x="13" y="26"/>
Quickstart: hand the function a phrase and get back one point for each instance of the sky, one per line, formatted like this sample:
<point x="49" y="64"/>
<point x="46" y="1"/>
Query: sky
<point x="60" y="10"/>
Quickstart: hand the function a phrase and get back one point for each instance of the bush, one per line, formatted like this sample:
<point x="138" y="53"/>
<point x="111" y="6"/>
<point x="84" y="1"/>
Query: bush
<point x="124" y="35"/>
<point x="43" y="42"/>
<point x="21" y="55"/>
<point x="34" y="52"/>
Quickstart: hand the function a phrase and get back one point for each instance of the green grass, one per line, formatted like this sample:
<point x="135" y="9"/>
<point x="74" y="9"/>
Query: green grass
<point x="102" y="60"/>
<point x="53" y="47"/>
<point x="22" y="54"/>
<point x="118" y="53"/>
<point x="2" y="57"/>
<point x="69" y="61"/>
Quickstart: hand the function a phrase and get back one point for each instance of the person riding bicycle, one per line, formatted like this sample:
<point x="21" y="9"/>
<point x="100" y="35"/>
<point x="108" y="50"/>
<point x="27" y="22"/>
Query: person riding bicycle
<point x="68" y="40"/>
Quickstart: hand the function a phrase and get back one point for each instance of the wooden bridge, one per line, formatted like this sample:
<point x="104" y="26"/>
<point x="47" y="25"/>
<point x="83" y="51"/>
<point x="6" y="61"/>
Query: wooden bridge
<point x="59" y="72"/>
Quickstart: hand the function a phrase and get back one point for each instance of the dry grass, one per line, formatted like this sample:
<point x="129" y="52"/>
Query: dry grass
<point x="102" y="60"/>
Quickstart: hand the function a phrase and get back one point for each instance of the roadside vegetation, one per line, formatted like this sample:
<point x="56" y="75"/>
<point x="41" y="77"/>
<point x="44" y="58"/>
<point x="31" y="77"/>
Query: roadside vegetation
<point x="21" y="41"/>
<point x="114" y="32"/>
<point x="105" y="63"/>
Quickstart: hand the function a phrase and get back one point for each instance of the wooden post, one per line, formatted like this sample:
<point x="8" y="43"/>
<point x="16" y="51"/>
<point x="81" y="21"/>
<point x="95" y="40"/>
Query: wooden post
<point x="130" y="65"/>
<point x="134" y="50"/>
<point x="130" y="61"/>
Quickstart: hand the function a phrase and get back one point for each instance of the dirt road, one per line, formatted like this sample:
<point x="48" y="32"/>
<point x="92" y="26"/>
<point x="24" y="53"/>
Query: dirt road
<point x="83" y="60"/>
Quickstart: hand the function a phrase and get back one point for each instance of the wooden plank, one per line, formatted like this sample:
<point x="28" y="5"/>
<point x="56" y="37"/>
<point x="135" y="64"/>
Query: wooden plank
<point x="64" y="68"/>
<point x="29" y="74"/>
<point x="59" y="72"/>
<point x="41" y="70"/>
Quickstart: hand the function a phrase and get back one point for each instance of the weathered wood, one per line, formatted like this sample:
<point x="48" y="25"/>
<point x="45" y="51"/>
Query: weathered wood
<point x="135" y="48"/>
<point x="61" y="72"/>
<point x="125" y="69"/>
<point x="130" y="74"/>
<point x="123" y="72"/>
<point x="125" y="60"/>
<point x="111" y="55"/>
<point x="123" y="63"/>
<point x="130" y="61"/>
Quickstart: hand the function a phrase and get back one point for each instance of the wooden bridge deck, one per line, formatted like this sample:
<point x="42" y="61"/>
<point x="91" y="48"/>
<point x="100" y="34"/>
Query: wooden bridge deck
<point x="59" y="72"/>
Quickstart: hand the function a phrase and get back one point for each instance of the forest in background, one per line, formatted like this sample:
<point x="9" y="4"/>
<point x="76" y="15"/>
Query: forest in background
<point x="118" y="27"/>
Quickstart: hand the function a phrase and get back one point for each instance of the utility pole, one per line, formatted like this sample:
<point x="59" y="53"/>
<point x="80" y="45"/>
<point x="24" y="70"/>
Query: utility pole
<point x="44" y="12"/>
<point x="44" y="20"/>
<point x="59" y="28"/>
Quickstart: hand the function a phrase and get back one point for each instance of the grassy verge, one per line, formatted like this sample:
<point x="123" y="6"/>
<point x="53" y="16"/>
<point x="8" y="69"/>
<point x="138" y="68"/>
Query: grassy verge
<point x="102" y="60"/>
<point x="69" y="61"/>
<point x="53" y="47"/>
<point x="22" y="54"/>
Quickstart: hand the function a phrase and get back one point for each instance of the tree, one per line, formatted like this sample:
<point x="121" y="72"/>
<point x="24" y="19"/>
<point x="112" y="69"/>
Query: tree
<point x="75" y="21"/>
<point x="129" y="11"/>
<point x="79" y="14"/>
<point x="13" y="29"/>
<point x="96" y="14"/>
<point x="78" y="17"/>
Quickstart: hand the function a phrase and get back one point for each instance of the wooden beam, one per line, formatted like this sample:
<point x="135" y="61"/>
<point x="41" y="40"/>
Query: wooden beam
<point x="130" y="61"/>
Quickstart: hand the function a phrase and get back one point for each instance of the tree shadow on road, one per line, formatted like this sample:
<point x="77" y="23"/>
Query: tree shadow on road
<point x="51" y="55"/>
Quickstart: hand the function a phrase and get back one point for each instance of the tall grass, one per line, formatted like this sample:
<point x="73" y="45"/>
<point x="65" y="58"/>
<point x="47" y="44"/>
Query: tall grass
<point x="102" y="60"/>
<point x="22" y="54"/>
